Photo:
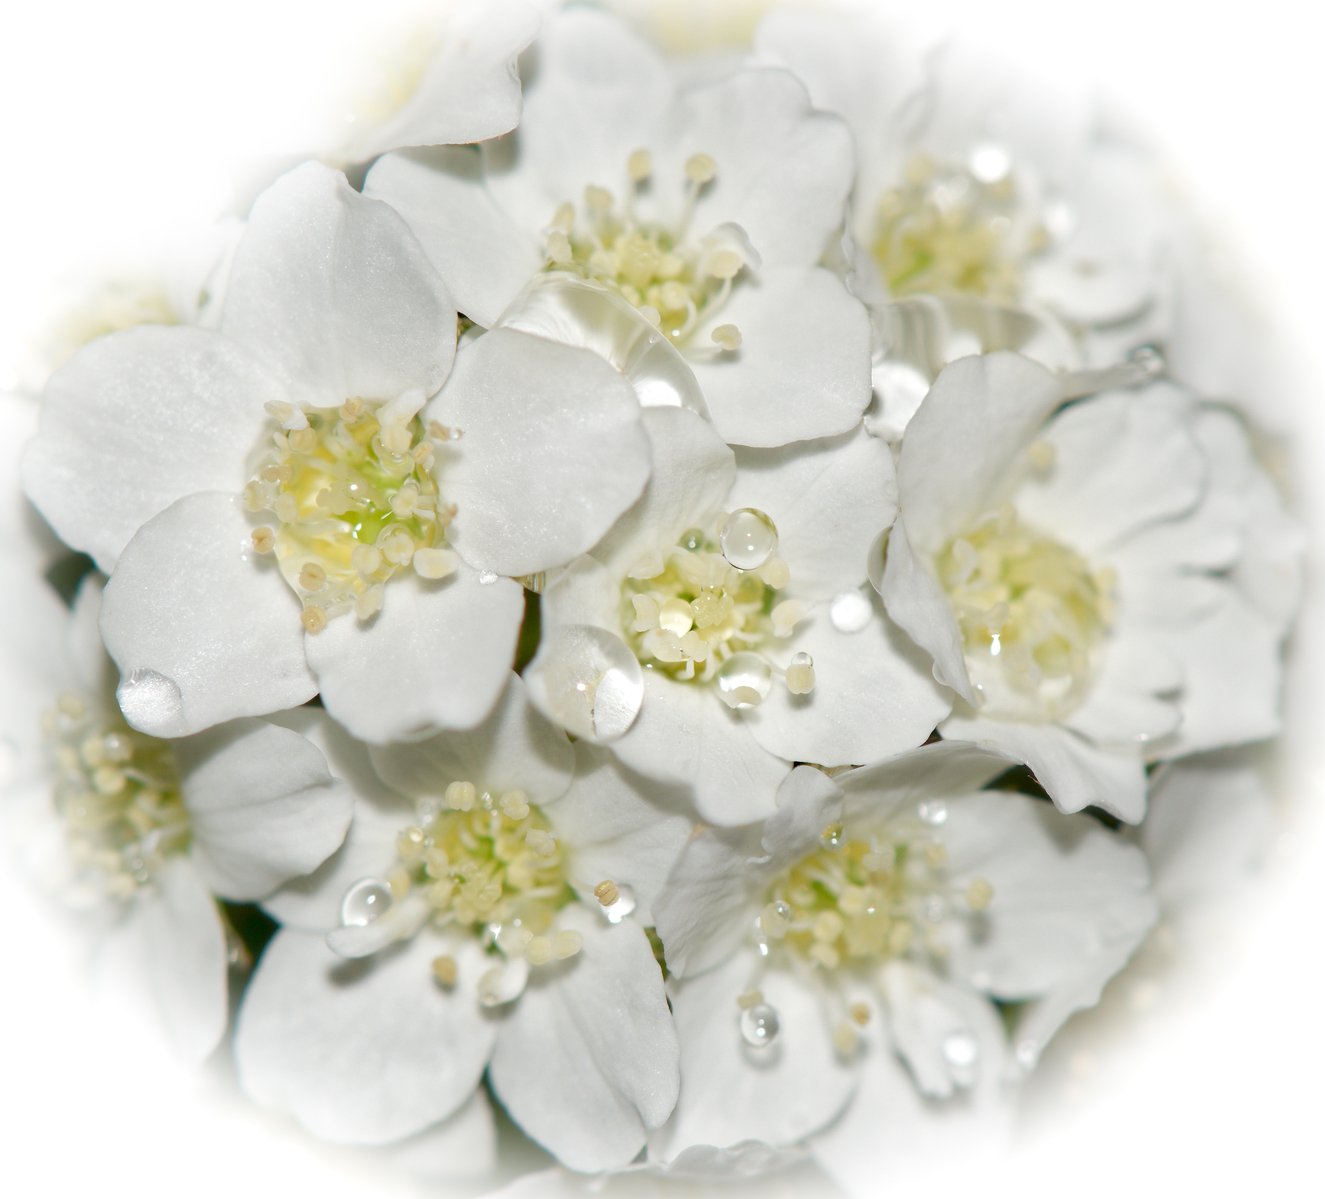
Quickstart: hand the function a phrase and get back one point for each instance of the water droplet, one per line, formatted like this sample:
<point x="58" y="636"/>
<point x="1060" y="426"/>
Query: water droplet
<point x="1150" y="360"/>
<point x="487" y="577"/>
<point x="759" y="1025"/>
<point x="586" y="680"/>
<point x="364" y="902"/>
<point x="850" y="612"/>
<point x="625" y="904"/>
<point x="932" y="811"/>
<point x="151" y="702"/>
<point x="503" y="983"/>
<point x="692" y="539"/>
<point x="990" y="162"/>
<point x="962" y="1053"/>
<point x="748" y="538"/>
<point x="1027" y="1054"/>
<point x="744" y="681"/>
<point x="831" y="837"/>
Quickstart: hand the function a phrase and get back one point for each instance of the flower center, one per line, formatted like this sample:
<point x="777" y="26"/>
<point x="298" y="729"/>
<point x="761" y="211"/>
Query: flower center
<point x="355" y="503"/>
<point x="673" y="279"/>
<point x="1031" y="611"/>
<point x="706" y="612"/>
<point x="856" y="903"/>
<point x="956" y="230"/>
<point x="117" y="793"/>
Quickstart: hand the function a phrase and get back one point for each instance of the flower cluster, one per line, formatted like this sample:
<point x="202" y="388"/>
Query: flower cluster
<point x="662" y="600"/>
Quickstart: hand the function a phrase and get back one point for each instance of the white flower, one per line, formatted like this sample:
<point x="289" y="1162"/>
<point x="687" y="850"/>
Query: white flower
<point x="159" y="448"/>
<point x="1095" y="587"/>
<point x="854" y="942"/>
<point x="464" y="86"/>
<point x="708" y="209"/>
<point x="971" y="183"/>
<point x="489" y="916"/>
<point x="139" y="834"/>
<point x="728" y="607"/>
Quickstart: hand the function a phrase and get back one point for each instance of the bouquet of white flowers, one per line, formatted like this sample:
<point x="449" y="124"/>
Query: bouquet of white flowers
<point x="691" y="604"/>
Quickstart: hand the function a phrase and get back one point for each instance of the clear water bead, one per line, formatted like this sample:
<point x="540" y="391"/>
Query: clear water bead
<point x="932" y="811"/>
<point x="586" y="680"/>
<point x="624" y="905"/>
<point x="962" y="1053"/>
<point x="744" y="681"/>
<point x="759" y="1025"/>
<point x="151" y="702"/>
<point x="849" y="612"/>
<point x="487" y="577"/>
<point x="748" y="538"/>
<point x="364" y="902"/>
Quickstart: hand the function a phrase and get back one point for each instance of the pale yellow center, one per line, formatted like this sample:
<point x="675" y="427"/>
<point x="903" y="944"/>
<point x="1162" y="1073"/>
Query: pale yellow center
<point x="355" y="503"/>
<point x="117" y="793"/>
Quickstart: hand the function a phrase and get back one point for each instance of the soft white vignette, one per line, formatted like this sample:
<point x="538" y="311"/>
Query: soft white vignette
<point x="120" y="122"/>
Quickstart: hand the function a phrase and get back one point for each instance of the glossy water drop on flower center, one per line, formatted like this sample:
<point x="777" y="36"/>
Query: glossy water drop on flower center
<point x="759" y="1025"/>
<point x="744" y="681"/>
<point x="364" y="902"/>
<point x="748" y="538"/>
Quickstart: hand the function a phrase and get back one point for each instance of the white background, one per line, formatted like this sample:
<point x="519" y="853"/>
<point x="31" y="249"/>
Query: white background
<point x="120" y="124"/>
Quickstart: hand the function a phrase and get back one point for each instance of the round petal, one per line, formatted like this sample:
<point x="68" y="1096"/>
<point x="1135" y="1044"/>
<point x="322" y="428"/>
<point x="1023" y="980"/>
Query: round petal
<point x="436" y="656"/>
<point x="803" y="367"/>
<point x="138" y="420"/>
<point x="200" y="631"/>
<point x="334" y="293"/>
<point x="553" y="451"/>
<point x="587" y="1061"/>
<point x="363" y="1052"/>
<point x="514" y="749"/>
<point x="262" y="805"/>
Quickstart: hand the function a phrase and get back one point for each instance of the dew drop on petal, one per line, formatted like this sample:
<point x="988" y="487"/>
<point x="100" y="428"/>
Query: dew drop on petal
<point x="364" y="902"/>
<point x="849" y="612"/>
<point x="932" y="811"/>
<point x="962" y="1053"/>
<point x="744" y="681"/>
<point x="586" y="680"/>
<point x="624" y="905"/>
<point x="503" y="983"/>
<point x="748" y="538"/>
<point x="487" y="577"/>
<point x="1027" y="1054"/>
<point x="989" y="162"/>
<point x="759" y="1025"/>
<point x="151" y="702"/>
<point x="692" y="539"/>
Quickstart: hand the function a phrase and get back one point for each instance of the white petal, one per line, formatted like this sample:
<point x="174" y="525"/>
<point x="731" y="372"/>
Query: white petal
<point x="808" y="802"/>
<point x="263" y="806"/>
<point x="335" y="294"/>
<point x="463" y="1146"/>
<point x="784" y="170"/>
<point x="1067" y="894"/>
<point x="803" y="367"/>
<point x="874" y="694"/>
<point x="616" y="825"/>
<point x="693" y="472"/>
<point x="138" y="420"/>
<point x="553" y="451"/>
<point x="184" y="951"/>
<point x="829" y="500"/>
<point x="436" y="656"/>
<point x="601" y="93"/>
<point x="684" y="734"/>
<point x="515" y="748"/>
<point x="1125" y="707"/>
<point x="1121" y="462"/>
<point x="961" y="447"/>
<point x="1075" y="773"/>
<point x="712" y="897"/>
<point x="585" y="592"/>
<point x="25" y="539"/>
<point x="200" y="630"/>
<point x="369" y="849"/>
<point x="480" y="252"/>
<point x="944" y="768"/>
<point x="917" y="602"/>
<point x="587" y="1061"/>
<point x="470" y="90"/>
<point x="361" y="1052"/>
<point x="733" y="1092"/>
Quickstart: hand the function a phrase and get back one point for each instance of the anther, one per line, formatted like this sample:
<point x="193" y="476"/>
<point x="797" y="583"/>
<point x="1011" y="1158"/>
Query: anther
<point x="607" y="893"/>
<point x="514" y="805"/>
<point x="800" y="674"/>
<point x="725" y="264"/>
<point x="566" y="944"/>
<point x="313" y="618"/>
<point x="1041" y="454"/>
<point x="312" y="577"/>
<point x="727" y="337"/>
<point x="434" y="563"/>
<point x="860" y="1013"/>
<point x="700" y="168"/>
<point x="979" y="894"/>
<point x="639" y="166"/>
<point x="539" y="951"/>
<point x="748" y="999"/>
<point x="445" y="971"/>
<point x="264" y="539"/>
